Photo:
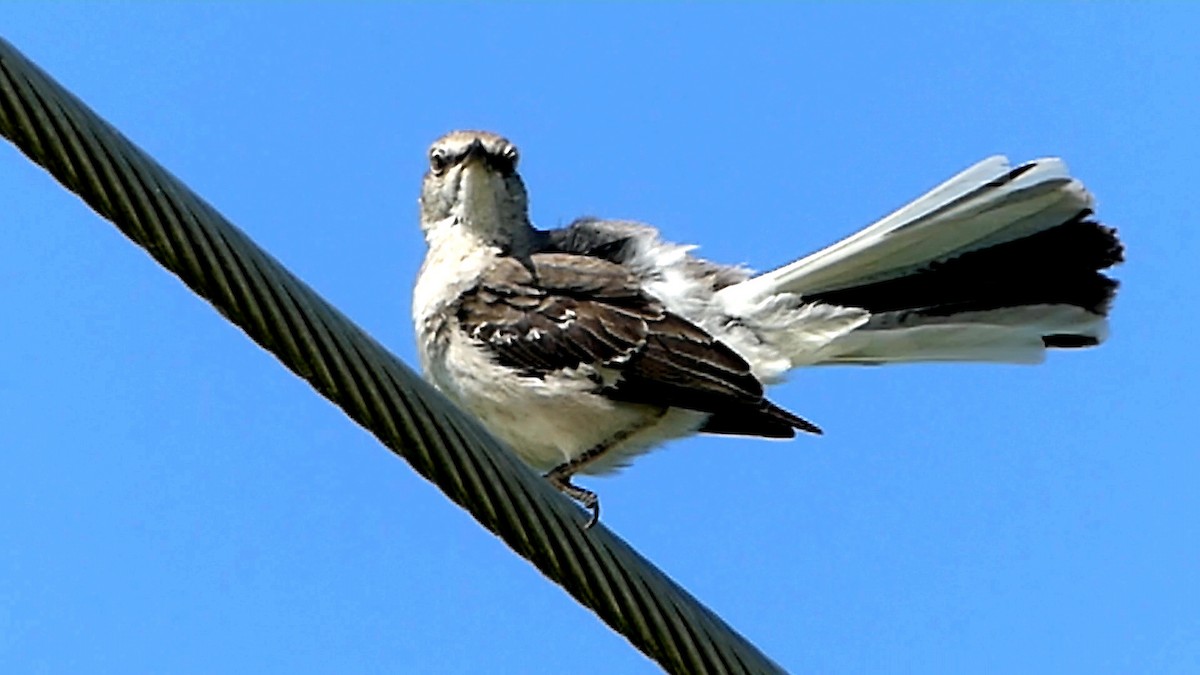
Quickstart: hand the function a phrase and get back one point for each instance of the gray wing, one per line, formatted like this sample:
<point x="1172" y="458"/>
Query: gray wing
<point x="619" y="240"/>
<point x="558" y="311"/>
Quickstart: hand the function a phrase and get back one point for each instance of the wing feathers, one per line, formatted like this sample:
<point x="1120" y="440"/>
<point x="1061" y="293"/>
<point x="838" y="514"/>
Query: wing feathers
<point x="557" y="311"/>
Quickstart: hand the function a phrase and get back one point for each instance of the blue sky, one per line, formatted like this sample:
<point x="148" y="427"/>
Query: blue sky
<point x="175" y="501"/>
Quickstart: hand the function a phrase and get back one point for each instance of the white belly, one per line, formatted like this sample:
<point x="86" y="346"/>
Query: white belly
<point x="549" y="421"/>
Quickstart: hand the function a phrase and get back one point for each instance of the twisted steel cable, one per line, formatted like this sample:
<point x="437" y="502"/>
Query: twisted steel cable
<point x="344" y="364"/>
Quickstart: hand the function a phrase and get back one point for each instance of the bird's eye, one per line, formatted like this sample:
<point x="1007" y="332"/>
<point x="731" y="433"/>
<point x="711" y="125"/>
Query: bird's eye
<point x="438" y="161"/>
<point x="506" y="160"/>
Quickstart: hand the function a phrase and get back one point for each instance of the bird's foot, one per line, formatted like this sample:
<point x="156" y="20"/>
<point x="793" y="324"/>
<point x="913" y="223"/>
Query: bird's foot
<point x="560" y="478"/>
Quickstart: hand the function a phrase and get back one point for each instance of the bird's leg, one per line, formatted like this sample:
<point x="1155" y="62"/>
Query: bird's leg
<point x="560" y="476"/>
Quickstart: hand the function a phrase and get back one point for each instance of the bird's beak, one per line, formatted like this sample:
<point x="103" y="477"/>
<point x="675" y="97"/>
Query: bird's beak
<point x="475" y="152"/>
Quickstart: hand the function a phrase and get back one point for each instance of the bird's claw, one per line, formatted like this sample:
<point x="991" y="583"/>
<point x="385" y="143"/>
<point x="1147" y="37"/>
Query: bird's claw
<point x="561" y="480"/>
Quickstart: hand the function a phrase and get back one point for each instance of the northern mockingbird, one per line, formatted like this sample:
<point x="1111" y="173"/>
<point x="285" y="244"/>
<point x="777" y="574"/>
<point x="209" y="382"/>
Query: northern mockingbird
<point x="585" y="346"/>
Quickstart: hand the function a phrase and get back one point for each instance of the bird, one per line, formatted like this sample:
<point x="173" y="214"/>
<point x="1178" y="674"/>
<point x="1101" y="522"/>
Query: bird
<point x="584" y="346"/>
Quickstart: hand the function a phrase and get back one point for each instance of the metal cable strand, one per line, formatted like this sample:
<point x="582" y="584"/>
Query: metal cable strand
<point x="344" y="364"/>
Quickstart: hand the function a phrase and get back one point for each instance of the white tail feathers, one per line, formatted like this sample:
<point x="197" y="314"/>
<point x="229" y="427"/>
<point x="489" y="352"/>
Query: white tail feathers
<point x="982" y="206"/>
<point x="1011" y="335"/>
<point x="995" y="264"/>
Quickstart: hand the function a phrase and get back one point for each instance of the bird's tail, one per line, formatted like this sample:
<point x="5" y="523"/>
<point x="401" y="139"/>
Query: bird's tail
<point x="995" y="264"/>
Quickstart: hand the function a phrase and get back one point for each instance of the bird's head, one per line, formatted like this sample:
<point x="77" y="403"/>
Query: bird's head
<point x="472" y="186"/>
